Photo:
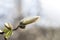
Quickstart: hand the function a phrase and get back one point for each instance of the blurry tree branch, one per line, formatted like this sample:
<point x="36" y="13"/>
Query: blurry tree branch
<point x="7" y="31"/>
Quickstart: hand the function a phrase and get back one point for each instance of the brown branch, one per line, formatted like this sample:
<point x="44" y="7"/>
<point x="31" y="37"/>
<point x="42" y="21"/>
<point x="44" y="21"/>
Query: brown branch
<point x="15" y="28"/>
<point x="19" y="26"/>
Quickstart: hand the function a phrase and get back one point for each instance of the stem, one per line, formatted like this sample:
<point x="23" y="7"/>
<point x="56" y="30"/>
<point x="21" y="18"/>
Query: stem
<point x="16" y="28"/>
<point x="20" y="26"/>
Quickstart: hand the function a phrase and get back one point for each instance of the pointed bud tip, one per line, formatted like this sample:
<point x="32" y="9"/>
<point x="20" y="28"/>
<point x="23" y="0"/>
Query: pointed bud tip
<point x="8" y="25"/>
<point x="29" y="20"/>
<point x="37" y="17"/>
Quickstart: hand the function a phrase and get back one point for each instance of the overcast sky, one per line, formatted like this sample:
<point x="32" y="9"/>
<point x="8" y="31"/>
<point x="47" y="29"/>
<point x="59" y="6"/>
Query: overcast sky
<point x="48" y="10"/>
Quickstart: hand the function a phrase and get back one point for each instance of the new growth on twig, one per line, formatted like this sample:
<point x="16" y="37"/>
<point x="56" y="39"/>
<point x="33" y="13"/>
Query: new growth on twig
<point x="7" y="32"/>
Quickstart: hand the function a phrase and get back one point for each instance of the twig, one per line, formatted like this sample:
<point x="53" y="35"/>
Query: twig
<point x="15" y="29"/>
<point x="21" y="25"/>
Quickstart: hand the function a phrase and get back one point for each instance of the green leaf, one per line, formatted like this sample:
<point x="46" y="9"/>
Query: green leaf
<point x="8" y="34"/>
<point x="5" y="30"/>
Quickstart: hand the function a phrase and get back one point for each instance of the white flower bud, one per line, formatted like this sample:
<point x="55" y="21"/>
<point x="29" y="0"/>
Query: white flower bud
<point x="29" y="20"/>
<point x="8" y="25"/>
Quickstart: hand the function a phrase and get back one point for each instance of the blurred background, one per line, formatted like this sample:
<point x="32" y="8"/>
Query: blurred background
<point x="48" y="26"/>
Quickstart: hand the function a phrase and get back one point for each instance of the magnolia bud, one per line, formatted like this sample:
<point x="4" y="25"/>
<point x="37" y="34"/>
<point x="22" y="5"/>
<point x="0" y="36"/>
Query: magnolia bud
<point x="8" y="30"/>
<point x="8" y="25"/>
<point x="28" y="20"/>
